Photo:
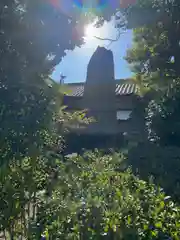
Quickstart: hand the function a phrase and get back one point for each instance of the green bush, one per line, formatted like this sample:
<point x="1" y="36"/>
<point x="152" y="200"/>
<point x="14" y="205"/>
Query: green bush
<point x="92" y="199"/>
<point x="163" y="119"/>
<point x="163" y="163"/>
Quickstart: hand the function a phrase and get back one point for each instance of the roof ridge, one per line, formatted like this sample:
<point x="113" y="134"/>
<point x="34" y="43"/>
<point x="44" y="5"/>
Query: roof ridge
<point x="126" y="80"/>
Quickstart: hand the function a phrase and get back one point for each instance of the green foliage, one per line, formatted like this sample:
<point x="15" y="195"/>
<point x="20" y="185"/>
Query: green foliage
<point x="163" y="120"/>
<point x="31" y="44"/>
<point x="155" y="54"/>
<point x="92" y="200"/>
<point x="21" y="184"/>
<point x="154" y="58"/>
<point x="27" y="115"/>
<point x="162" y="163"/>
<point x="35" y="43"/>
<point x="85" y="197"/>
<point x="31" y="119"/>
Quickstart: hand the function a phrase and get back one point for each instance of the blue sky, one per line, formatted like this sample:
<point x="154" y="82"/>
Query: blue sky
<point x="74" y="64"/>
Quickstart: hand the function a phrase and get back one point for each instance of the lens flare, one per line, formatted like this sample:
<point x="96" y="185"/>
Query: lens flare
<point x="127" y="3"/>
<point x="86" y="6"/>
<point x="89" y="5"/>
<point x="55" y="3"/>
<point x="65" y="6"/>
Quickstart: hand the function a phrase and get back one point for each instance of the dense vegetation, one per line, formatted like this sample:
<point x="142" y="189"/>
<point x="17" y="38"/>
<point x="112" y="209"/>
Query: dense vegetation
<point x="94" y="195"/>
<point x="155" y="61"/>
<point x="85" y="197"/>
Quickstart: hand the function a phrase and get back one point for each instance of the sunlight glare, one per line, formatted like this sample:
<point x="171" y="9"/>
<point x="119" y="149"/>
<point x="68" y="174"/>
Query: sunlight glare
<point x="91" y="31"/>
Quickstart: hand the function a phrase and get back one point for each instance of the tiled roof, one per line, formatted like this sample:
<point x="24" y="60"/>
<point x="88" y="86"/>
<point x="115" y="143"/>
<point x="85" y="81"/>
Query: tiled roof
<point x="75" y="90"/>
<point x="123" y="87"/>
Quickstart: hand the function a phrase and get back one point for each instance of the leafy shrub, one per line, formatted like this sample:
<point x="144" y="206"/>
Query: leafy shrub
<point x="92" y="199"/>
<point x="21" y="184"/>
<point x="163" y="119"/>
<point x="163" y="163"/>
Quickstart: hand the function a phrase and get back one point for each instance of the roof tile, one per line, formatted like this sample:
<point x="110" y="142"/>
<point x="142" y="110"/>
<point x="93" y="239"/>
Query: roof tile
<point x="77" y="89"/>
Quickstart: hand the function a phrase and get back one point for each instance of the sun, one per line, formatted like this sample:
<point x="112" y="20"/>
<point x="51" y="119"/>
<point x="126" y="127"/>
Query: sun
<point x="90" y="31"/>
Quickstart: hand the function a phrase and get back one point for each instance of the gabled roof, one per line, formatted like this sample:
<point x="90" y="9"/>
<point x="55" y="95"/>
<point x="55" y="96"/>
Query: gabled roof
<point x="123" y="87"/>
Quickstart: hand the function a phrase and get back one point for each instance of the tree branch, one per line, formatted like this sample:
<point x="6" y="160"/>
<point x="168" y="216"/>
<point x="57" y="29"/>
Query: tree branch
<point x="106" y="39"/>
<point x="110" y="39"/>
